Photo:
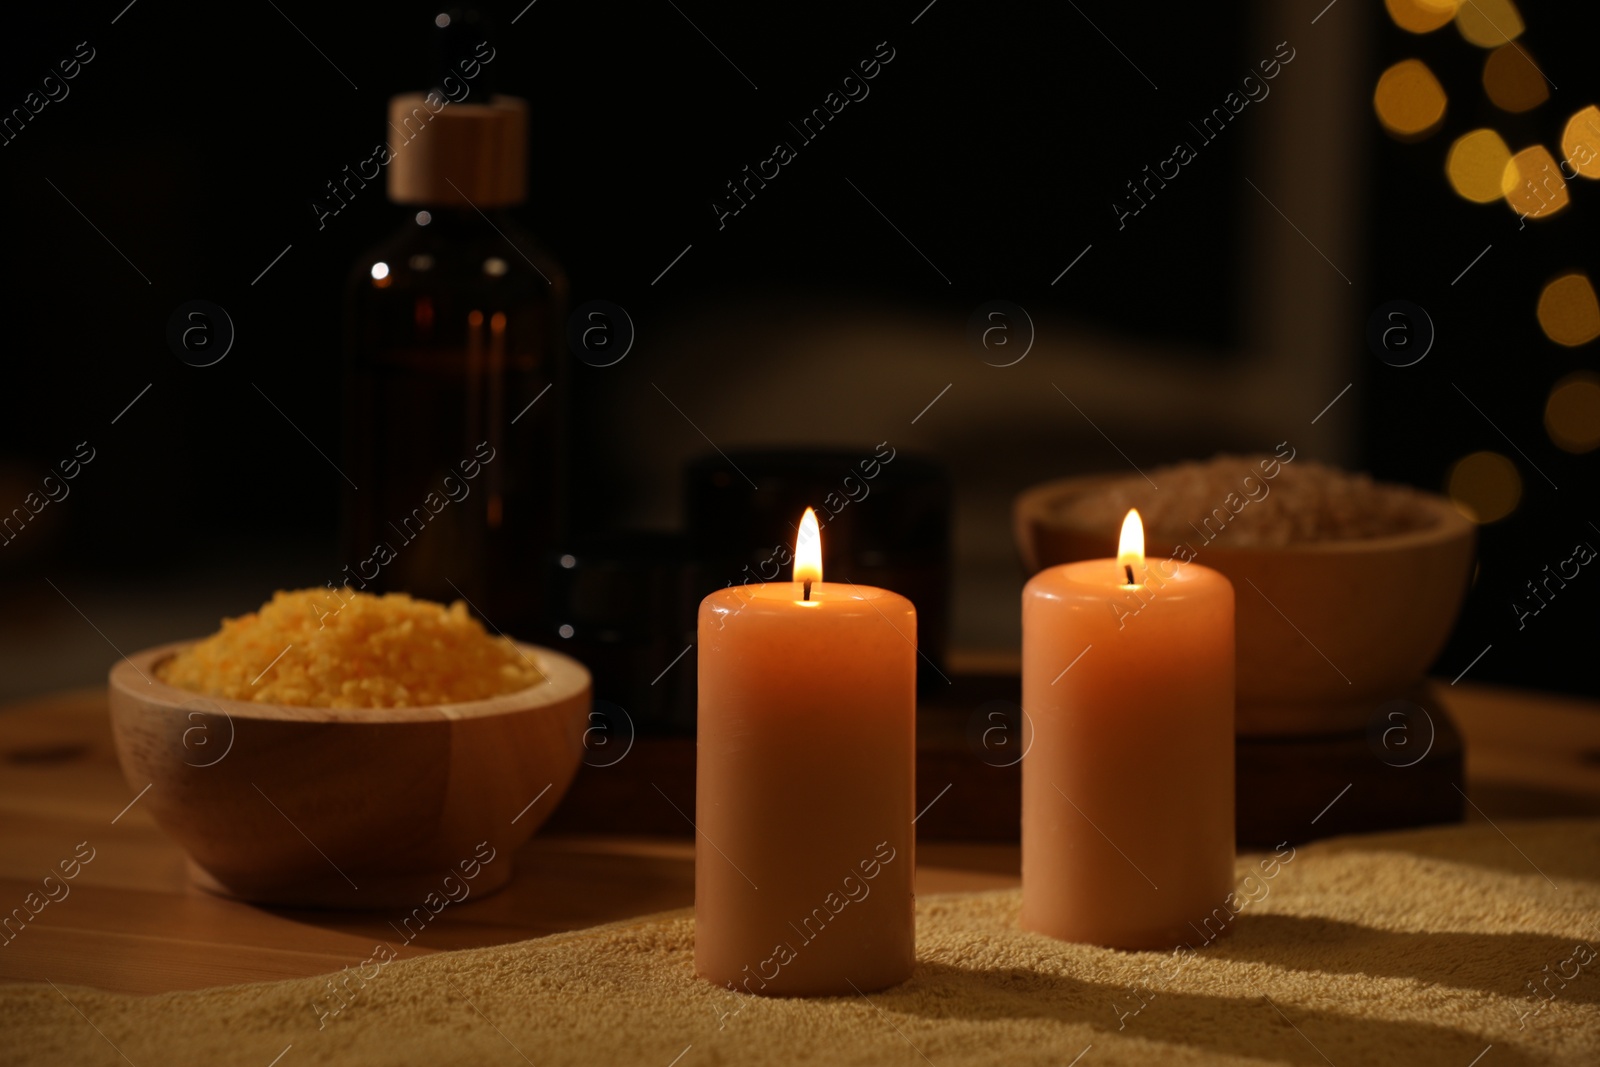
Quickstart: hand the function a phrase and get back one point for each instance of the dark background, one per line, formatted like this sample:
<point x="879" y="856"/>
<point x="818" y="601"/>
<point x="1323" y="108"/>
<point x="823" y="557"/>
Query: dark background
<point x="199" y="135"/>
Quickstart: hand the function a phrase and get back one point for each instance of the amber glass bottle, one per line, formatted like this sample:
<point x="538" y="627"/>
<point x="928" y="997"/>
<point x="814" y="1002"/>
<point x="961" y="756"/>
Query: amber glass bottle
<point x="454" y="378"/>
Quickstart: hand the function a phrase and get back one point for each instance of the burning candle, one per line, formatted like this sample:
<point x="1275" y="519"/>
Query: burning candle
<point x="1127" y="786"/>
<point x="804" y="851"/>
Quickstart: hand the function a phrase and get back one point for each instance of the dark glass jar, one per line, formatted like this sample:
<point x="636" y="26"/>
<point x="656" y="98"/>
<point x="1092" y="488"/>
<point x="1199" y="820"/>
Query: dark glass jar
<point x="455" y="397"/>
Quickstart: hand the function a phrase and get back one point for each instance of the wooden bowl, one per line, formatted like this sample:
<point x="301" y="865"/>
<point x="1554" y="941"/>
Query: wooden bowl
<point x="1326" y="631"/>
<point x="349" y="807"/>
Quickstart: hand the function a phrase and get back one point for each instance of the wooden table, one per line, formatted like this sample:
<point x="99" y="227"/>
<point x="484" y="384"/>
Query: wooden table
<point x="134" y="923"/>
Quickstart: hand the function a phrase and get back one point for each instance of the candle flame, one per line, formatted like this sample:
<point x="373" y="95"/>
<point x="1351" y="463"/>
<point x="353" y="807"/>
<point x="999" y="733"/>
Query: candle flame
<point x="808" y="549"/>
<point x="1130" y="546"/>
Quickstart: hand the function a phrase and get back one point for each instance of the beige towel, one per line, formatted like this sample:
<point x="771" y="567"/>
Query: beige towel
<point x="1414" y="948"/>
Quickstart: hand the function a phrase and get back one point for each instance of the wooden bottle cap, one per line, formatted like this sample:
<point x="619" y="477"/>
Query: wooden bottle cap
<point x="481" y="148"/>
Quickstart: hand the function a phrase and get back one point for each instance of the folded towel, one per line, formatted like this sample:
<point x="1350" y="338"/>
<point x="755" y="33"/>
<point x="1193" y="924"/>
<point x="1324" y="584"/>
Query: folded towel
<point x="1459" y="946"/>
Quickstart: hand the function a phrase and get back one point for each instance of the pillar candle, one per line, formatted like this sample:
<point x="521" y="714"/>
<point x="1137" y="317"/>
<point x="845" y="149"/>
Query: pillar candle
<point x="804" y="851"/>
<point x="1127" y="784"/>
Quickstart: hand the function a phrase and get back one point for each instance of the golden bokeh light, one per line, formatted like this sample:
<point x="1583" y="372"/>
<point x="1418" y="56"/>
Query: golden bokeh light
<point x="1476" y="166"/>
<point x="1580" y="142"/>
<point x="1485" y="486"/>
<point x="1489" y="23"/>
<point x="1568" y="311"/>
<point x="1572" y="414"/>
<point x="1512" y="80"/>
<point x="1409" y="100"/>
<point x="1421" y="16"/>
<point x="1532" y="183"/>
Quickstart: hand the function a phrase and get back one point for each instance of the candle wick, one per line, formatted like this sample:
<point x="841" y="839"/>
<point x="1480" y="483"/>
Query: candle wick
<point x="1128" y="567"/>
<point x="805" y="592"/>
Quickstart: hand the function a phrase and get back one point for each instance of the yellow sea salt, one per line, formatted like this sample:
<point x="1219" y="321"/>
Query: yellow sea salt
<point x="344" y="649"/>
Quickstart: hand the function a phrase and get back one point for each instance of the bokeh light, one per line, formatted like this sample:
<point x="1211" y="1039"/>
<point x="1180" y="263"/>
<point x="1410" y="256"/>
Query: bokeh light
<point x="1421" y="16"/>
<point x="1409" y="100"/>
<point x="1485" y="486"/>
<point x="1532" y="183"/>
<point x="1489" y="23"/>
<point x="1568" y="311"/>
<point x="1572" y="414"/>
<point x="1580" y="142"/>
<point x="1512" y="80"/>
<point x="1476" y="165"/>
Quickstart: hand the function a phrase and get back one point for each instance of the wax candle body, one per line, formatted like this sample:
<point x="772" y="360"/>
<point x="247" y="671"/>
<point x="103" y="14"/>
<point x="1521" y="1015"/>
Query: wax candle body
<point x="804" y="789"/>
<point x="1127" y="786"/>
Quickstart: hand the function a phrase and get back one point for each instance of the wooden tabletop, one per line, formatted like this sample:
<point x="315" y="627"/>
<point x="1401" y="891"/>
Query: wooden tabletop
<point x="133" y="921"/>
